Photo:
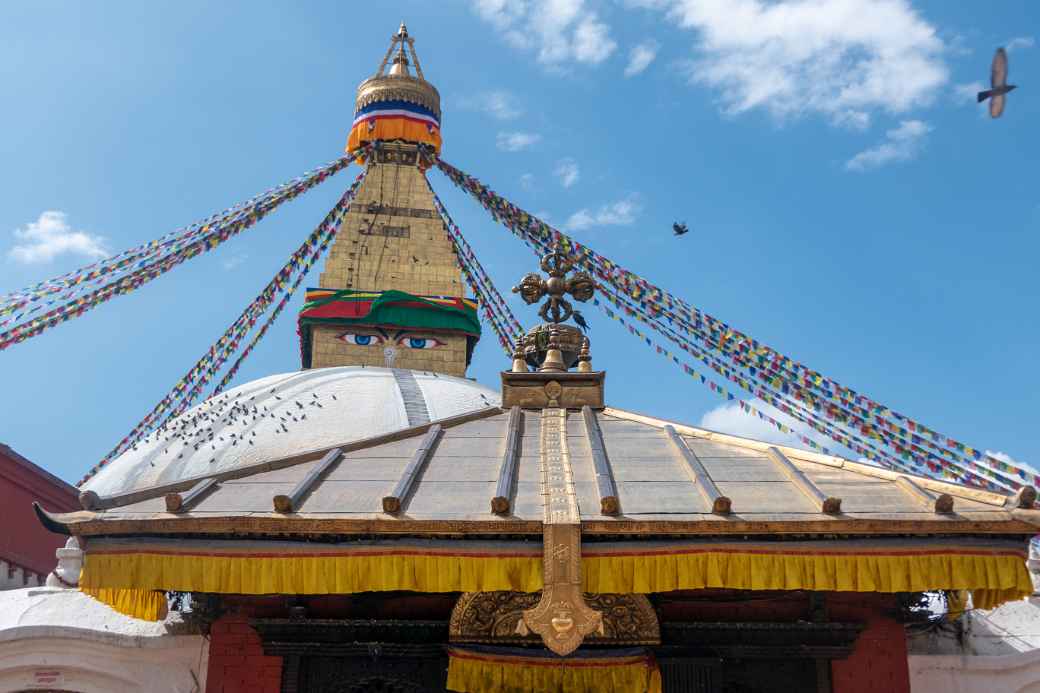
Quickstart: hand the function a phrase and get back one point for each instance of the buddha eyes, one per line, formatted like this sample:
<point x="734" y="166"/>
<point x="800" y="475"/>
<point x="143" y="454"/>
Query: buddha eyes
<point x="362" y="339"/>
<point x="420" y="342"/>
<point x="406" y="341"/>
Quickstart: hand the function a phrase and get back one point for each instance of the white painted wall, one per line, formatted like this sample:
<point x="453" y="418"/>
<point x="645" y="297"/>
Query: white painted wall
<point x="93" y="667"/>
<point x="63" y="639"/>
<point x="14" y="578"/>
<point x="998" y="651"/>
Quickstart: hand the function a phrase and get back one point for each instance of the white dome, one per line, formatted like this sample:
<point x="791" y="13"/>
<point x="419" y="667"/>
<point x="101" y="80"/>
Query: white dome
<point x="287" y="414"/>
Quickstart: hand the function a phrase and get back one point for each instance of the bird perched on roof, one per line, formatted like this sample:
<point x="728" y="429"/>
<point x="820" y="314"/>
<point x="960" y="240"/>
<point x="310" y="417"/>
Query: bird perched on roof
<point x="579" y="320"/>
<point x="680" y="228"/>
<point x="998" y="84"/>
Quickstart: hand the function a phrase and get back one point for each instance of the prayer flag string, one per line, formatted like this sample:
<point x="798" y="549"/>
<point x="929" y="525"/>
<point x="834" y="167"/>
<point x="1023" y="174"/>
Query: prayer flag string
<point x="132" y="269"/>
<point x="93" y="273"/>
<point x="502" y="320"/>
<point x="784" y="403"/>
<point x="923" y="461"/>
<point x="187" y="389"/>
<point x="880" y="422"/>
<point x="777" y="399"/>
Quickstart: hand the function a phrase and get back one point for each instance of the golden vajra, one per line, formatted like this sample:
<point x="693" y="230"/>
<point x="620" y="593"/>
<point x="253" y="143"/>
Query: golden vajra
<point x="557" y="309"/>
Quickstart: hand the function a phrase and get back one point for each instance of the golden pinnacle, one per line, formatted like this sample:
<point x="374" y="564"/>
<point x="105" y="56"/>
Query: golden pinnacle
<point x="553" y="356"/>
<point x="519" y="363"/>
<point x="584" y="358"/>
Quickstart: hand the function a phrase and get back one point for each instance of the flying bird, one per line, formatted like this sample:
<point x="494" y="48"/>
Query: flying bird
<point x="579" y="319"/>
<point x="998" y="84"/>
<point x="680" y="229"/>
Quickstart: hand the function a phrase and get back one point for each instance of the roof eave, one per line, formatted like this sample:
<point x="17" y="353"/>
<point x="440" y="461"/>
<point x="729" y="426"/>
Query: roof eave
<point x="89" y="523"/>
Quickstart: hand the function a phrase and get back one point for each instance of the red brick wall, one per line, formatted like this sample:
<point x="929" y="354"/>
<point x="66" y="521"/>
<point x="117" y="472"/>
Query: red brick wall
<point x="23" y="540"/>
<point x="878" y="662"/>
<point x="237" y="663"/>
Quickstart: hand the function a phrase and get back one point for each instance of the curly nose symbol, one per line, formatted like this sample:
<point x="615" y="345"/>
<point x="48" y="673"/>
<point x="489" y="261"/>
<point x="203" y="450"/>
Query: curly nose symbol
<point x="389" y="354"/>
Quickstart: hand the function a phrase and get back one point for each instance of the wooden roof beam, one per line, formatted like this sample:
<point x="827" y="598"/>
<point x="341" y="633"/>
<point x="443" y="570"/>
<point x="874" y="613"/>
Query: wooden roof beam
<point x="1024" y="498"/>
<point x="502" y="503"/>
<point x="828" y="504"/>
<point x="181" y="502"/>
<point x="291" y="503"/>
<point x="90" y="500"/>
<point x="410" y="477"/>
<point x="720" y="504"/>
<point x="942" y="503"/>
<point x="608" y="495"/>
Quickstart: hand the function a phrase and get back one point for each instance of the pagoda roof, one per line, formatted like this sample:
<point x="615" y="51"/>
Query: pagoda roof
<point x="633" y="475"/>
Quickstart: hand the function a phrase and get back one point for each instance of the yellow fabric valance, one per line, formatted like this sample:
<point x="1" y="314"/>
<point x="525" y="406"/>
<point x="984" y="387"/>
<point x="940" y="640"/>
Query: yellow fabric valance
<point x="995" y="571"/>
<point x="506" y="670"/>
<point x="147" y="605"/>
<point x="126" y="573"/>
<point x="122" y="573"/>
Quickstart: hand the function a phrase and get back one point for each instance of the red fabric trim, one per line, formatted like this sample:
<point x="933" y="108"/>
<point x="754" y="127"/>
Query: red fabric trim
<point x="359" y="309"/>
<point x="593" y="553"/>
<point x="598" y="663"/>
<point x="332" y="554"/>
<point x="396" y="116"/>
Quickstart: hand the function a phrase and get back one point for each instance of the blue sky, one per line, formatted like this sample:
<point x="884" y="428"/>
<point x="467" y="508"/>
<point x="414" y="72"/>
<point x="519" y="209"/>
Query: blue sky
<point x="849" y="203"/>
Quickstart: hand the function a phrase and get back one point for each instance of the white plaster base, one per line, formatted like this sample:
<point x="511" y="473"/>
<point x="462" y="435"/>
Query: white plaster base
<point x="1015" y="673"/>
<point x="178" y="666"/>
<point x="61" y="639"/>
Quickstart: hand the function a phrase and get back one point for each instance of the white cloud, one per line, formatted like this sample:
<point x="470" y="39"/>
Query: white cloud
<point x="900" y="144"/>
<point x="1004" y="457"/>
<point x="967" y="95"/>
<point x="527" y="181"/>
<point x="1020" y="42"/>
<point x="648" y="4"/>
<point x="640" y="57"/>
<point x="50" y="236"/>
<point x="234" y="261"/>
<point x="968" y="92"/>
<point x="498" y="104"/>
<point x="620" y="213"/>
<point x="730" y="418"/>
<point x="559" y="31"/>
<point x="854" y="120"/>
<point x="501" y="13"/>
<point x="567" y="171"/>
<point x="516" y="141"/>
<point x="843" y="59"/>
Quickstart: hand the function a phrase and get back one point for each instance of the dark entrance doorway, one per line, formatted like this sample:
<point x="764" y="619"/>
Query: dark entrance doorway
<point x="369" y="672"/>
<point x="390" y="656"/>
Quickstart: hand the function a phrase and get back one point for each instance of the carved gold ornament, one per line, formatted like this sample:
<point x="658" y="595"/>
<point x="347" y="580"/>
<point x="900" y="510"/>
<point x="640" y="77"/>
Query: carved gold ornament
<point x="493" y="617"/>
<point x="532" y="288"/>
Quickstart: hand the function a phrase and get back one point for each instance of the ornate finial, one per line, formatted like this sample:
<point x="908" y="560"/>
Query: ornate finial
<point x="584" y="359"/>
<point x="70" y="563"/>
<point x="553" y="356"/>
<point x="397" y="93"/>
<point x="519" y="364"/>
<point x="557" y="309"/>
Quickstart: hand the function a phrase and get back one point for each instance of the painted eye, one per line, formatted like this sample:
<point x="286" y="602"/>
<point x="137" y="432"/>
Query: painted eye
<point x="361" y="339"/>
<point x="420" y="342"/>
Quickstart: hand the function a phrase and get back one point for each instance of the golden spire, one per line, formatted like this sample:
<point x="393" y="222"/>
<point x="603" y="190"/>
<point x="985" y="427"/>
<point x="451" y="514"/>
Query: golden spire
<point x="400" y="67"/>
<point x="398" y="82"/>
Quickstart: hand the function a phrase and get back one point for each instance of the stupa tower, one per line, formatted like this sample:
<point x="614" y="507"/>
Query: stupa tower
<point x="391" y="293"/>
